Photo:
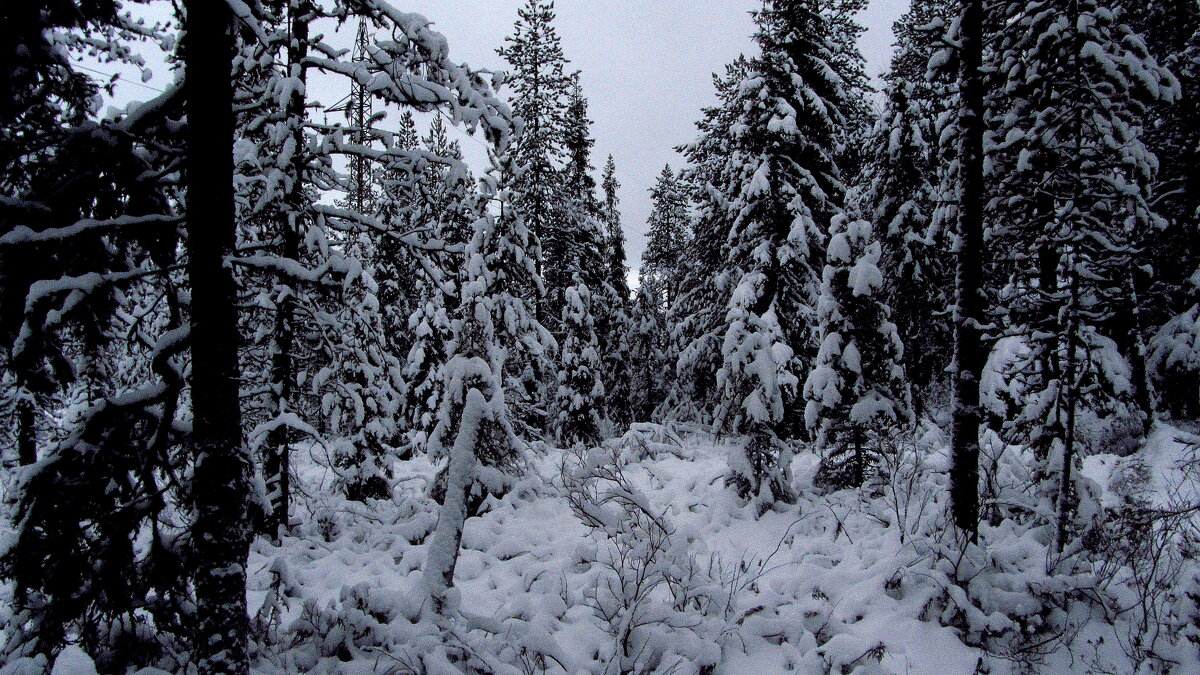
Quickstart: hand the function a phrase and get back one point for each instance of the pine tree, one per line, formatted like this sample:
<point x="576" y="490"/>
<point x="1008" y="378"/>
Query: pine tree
<point x="663" y="262"/>
<point x="136" y="517"/>
<point x="784" y="183"/>
<point x="1073" y="203"/>
<point x="358" y="388"/>
<point x="587" y="242"/>
<point x="580" y="389"/>
<point x="856" y="388"/>
<point x="541" y="90"/>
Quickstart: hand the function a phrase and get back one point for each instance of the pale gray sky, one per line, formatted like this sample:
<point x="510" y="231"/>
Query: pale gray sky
<point x="646" y="69"/>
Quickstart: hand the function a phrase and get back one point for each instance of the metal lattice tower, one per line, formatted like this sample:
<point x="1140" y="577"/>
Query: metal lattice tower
<point x="357" y="107"/>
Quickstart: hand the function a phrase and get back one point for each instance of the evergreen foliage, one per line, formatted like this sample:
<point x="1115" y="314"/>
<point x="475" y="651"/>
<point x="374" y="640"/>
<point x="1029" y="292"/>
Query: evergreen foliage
<point x="856" y="388"/>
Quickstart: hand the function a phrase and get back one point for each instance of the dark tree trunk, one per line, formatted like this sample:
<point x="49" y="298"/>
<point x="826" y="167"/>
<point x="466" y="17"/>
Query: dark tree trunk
<point x="277" y="467"/>
<point x="221" y="483"/>
<point x="969" y="352"/>
<point x="1143" y="391"/>
<point x="26" y="431"/>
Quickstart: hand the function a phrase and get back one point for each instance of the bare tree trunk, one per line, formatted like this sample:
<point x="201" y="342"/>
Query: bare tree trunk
<point x="969" y="352"/>
<point x="26" y="431"/>
<point x="277" y="467"/>
<point x="1143" y="391"/>
<point x="221" y="483"/>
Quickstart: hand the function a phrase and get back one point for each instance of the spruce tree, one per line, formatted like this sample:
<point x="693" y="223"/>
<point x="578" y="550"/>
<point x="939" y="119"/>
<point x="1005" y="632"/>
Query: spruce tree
<point x="784" y="182"/>
<point x="473" y="429"/>
<point x="615" y="359"/>
<point x="645" y="343"/>
<point x="697" y="318"/>
<point x="668" y="225"/>
<point x="848" y="62"/>
<point x="1175" y="359"/>
<point x="580" y="390"/>
<point x="902" y="194"/>
<point x="541" y="90"/>
<point x="1072" y="206"/>
<point x="1161" y="283"/>
<point x="493" y="331"/>
<point x="617" y="268"/>
<point x="856" y="389"/>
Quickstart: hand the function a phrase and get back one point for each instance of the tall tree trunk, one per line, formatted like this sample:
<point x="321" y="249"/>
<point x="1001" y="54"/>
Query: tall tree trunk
<point x="1070" y="402"/>
<point x="283" y="370"/>
<point x="969" y="352"/>
<point x="26" y="430"/>
<point x="1143" y="390"/>
<point x="442" y="553"/>
<point x="221" y="533"/>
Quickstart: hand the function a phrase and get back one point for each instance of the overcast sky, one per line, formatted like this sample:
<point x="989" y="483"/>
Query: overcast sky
<point x="646" y="67"/>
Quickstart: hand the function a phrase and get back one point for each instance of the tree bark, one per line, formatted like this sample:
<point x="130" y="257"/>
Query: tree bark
<point x="221" y="483"/>
<point x="283" y="370"/>
<point x="26" y="431"/>
<point x="969" y="352"/>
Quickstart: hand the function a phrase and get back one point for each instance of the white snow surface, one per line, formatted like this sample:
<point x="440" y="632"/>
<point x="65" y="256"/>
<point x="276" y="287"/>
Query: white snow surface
<point x="821" y="584"/>
<point x="811" y="576"/>
<point x="825" y="585"/>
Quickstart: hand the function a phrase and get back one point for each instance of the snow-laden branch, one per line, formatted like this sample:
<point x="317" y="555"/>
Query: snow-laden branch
<point x="23" y="234"/>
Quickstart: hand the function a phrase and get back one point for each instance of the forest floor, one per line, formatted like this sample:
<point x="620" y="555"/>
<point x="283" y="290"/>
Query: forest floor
<point x="637" y="558"/>
<point x="824" y="585"/>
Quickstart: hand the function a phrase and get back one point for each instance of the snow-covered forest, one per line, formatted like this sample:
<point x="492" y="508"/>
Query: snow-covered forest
<point x="908" y="382"/>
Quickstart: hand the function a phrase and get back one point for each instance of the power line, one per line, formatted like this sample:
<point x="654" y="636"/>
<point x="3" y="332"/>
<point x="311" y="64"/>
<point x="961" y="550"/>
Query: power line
<point x="118" y="76"/>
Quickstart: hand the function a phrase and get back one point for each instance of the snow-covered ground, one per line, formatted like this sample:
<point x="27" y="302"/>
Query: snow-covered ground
<point x="637" y="558"/>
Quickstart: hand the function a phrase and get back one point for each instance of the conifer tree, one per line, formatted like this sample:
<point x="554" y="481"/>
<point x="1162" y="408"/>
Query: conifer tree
<point x="221" y="482"/>
<point x="1175" y="359"/>
<point x="848" y="62"/>
<point x="541" y="90"/>
<point x="1161" y="284"/>
<point x="902" y="193"/>
<point x="587" y="242"/>
<point x="473" y="429"/>
<point x="617" y="269"/>
<point x="1073" y="205"/>
<point x="580" y="389"/>
<point x="92" y="317"/>
<point x="492" y="327"/>
<point x="444" y="209"/>
<point x="697" y="318"/>
<point x="645" y="344"/>
<point x="663" y="262"/>
<point x="856" y="388"/>
<point x="784" y="183"/>
<point x="615" y="359"/>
